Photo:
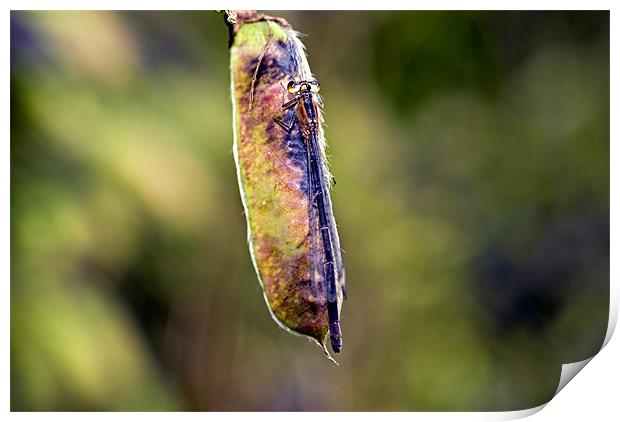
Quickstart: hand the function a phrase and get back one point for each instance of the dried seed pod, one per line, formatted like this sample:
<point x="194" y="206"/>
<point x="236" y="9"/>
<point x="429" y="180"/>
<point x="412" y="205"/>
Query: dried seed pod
<point x="295" y="254"/>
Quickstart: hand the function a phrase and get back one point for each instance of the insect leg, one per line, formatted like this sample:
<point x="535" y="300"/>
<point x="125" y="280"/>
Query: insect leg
<point x="290" y="104"/>
<point x="287" y="127"/>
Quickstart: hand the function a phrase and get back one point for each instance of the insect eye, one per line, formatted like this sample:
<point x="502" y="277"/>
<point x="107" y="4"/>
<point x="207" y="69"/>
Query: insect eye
<point x="315" y="86"/>
<point x="292" y="87"/>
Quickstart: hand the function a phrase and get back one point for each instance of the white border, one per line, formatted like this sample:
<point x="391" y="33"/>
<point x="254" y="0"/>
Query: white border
<point x="314" y="5"/>
<point x="593" y="394"/>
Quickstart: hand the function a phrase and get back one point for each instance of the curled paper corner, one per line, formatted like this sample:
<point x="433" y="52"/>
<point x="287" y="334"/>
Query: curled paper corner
<point x="613" y="313"/>
<point x="518" y="414"/>
<point x="569" y="371"/>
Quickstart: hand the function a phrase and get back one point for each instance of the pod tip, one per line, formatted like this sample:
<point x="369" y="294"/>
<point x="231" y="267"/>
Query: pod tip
<point x="236" y="18"/>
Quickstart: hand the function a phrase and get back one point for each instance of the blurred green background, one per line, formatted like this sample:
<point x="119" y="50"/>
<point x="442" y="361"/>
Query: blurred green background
<point x="471" y="151"/>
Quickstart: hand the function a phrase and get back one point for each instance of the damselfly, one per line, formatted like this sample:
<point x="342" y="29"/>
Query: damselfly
<point x="326" y="272"/>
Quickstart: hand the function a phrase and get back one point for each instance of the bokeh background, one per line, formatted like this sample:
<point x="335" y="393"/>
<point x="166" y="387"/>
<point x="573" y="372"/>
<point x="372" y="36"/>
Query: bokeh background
<point x="471" y="152"/>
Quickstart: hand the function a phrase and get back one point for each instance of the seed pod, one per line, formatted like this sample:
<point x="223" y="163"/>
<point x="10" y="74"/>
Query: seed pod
<point x="273" y="172"/>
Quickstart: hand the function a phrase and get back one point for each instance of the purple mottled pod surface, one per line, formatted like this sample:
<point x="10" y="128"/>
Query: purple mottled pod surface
<point x="273" y="172"/>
